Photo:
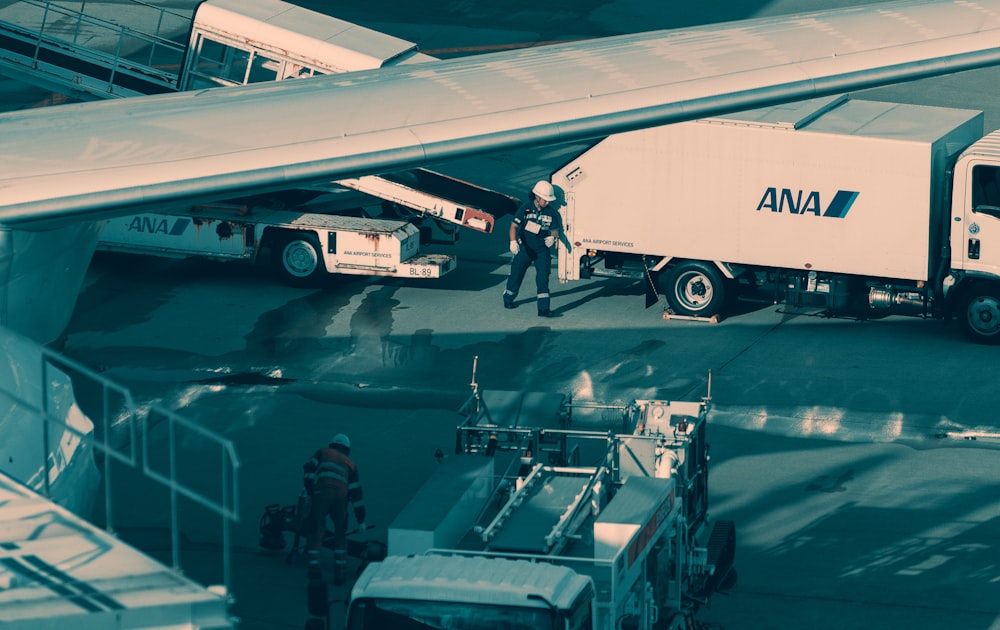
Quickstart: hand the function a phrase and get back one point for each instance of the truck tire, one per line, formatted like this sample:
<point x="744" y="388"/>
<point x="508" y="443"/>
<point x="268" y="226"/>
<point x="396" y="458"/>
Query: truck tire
<point x="297" y="259"/>
<point x="694" y="288"/>
<point x="980" y="314"/>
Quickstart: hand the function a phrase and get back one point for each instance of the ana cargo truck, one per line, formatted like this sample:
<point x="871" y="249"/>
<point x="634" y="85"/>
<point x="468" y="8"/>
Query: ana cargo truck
<point x="556" y="514"/>
<point x="855" y="207"/>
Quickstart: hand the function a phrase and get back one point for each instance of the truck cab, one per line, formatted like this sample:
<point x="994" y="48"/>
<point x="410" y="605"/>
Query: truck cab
<point x="435" y="591"/>
<point x="975" y="239"/>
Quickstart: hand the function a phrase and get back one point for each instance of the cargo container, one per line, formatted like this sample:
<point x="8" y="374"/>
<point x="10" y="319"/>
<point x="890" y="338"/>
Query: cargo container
<point x="859" y="208"/>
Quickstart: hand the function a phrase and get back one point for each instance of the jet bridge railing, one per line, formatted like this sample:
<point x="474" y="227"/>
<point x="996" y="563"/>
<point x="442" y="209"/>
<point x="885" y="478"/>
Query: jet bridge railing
<point x="87" y="56"/>
<point x="226" y="506"/>
<point x="113" y="425"/>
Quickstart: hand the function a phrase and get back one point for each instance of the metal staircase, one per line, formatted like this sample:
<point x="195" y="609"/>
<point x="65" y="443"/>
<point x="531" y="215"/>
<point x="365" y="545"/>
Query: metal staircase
<point x="71" y="49"/>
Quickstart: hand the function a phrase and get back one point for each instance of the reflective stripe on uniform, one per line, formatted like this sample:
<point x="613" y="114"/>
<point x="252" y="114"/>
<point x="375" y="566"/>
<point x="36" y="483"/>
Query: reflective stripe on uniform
<point x="332" y="470"/>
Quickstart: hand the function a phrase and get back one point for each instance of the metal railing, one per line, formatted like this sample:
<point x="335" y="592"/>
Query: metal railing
<point x="57" y="46"/>
<point x="112" y="411"/>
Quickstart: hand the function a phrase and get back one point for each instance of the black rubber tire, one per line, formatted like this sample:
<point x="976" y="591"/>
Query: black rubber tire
<point x="694" y="288"/>
<point x="297" y="259"/>
<point x="979" y="314"/>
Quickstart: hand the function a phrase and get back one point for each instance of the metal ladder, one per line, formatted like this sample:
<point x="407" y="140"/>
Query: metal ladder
<point x="87" y="56"/>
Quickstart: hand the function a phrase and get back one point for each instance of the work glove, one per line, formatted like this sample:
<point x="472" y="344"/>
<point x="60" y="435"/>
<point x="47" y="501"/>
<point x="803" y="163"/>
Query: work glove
<point x="514" y="247"/>
<point x="550" y="241"/>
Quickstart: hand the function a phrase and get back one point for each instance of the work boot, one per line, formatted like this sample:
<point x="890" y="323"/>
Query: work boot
<point x="339" y="576"/>
<point x="314" y="571"/>
<point x="543" y="305"/>
<point x="508" y="300"/>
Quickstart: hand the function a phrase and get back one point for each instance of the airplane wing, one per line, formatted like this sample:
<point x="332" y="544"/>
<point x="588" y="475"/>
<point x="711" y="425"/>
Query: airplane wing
<point x="72" y="161"/>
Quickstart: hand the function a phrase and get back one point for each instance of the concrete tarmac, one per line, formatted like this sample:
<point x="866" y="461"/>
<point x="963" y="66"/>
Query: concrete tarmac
<point x="851" y="509"/>
<point x="839" y="524"/>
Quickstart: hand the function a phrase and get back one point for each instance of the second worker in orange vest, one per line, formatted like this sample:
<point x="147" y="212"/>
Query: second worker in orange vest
<point x="332" y="480"/>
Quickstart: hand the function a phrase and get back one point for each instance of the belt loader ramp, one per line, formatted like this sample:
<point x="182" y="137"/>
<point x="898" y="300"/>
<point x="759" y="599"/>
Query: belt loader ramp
<point x="556" y="514"/>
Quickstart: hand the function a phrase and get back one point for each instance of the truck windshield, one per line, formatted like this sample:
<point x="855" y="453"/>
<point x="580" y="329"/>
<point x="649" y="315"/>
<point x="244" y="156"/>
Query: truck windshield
<point x="401" y="614"/>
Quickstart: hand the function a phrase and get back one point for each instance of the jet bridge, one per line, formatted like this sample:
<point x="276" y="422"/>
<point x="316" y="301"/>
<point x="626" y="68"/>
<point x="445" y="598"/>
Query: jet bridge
<point x="88" y="56"/>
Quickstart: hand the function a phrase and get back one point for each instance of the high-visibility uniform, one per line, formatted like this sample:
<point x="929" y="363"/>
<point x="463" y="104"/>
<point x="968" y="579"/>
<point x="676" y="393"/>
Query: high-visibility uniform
<point x="333" y="481"/>
<point x="532" y="225"/>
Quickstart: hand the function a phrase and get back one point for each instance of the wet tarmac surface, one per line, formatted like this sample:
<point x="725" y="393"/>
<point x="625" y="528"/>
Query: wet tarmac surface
<point x="849" y="511"/>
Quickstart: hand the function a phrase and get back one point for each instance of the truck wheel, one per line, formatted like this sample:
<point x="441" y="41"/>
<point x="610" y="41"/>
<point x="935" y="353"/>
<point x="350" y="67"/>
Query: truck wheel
<point x="694" y="288"/>
<point x="980" y="315"/>
<point x="297" y="259"/>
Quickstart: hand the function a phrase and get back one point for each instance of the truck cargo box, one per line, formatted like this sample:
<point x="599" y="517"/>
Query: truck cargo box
<point x="833" y="184"/>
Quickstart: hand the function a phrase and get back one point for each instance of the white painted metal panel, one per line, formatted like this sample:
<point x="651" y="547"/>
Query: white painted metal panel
<point x="386" y="249"/>
<point x="444" y="508"/>
<point x="968" y="227"/>
<point x="57" y="570"/>
<point x="39" y="414"/>
<point x="498" y="581"/>
<point x="182" y="235"/>
<point x="859" y="201"/>
<point x="296" y="33"/>
<point x="56" y="259"/>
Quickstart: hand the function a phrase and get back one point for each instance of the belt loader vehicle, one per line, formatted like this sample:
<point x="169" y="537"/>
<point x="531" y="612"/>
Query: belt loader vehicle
<point x="304" y="245"/>
<point x="556" y="514"/>
<point x="859" y="208"/>
<point x="239" y="42"/>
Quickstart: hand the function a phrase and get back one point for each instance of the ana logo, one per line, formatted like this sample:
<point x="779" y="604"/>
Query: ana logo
<point x="158" y="225"/>
<point x="802" y="202"/>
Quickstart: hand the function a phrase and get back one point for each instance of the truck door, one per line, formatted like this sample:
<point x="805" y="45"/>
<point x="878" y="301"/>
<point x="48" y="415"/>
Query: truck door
<point x="568" y="257"/>
<point x="978" y="234"/>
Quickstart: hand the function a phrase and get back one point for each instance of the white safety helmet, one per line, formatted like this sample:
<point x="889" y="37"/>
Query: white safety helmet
<point x="544" y="190"/>
<point x="341" y="440"/>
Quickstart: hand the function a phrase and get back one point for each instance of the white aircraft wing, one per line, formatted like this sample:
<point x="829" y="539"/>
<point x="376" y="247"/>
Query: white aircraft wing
<point x="71" y="161"/>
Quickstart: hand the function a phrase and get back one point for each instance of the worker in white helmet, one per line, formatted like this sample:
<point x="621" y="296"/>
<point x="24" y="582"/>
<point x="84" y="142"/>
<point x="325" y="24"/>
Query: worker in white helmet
<point x="331" y="478"/>
<point x="533" y="232"/>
